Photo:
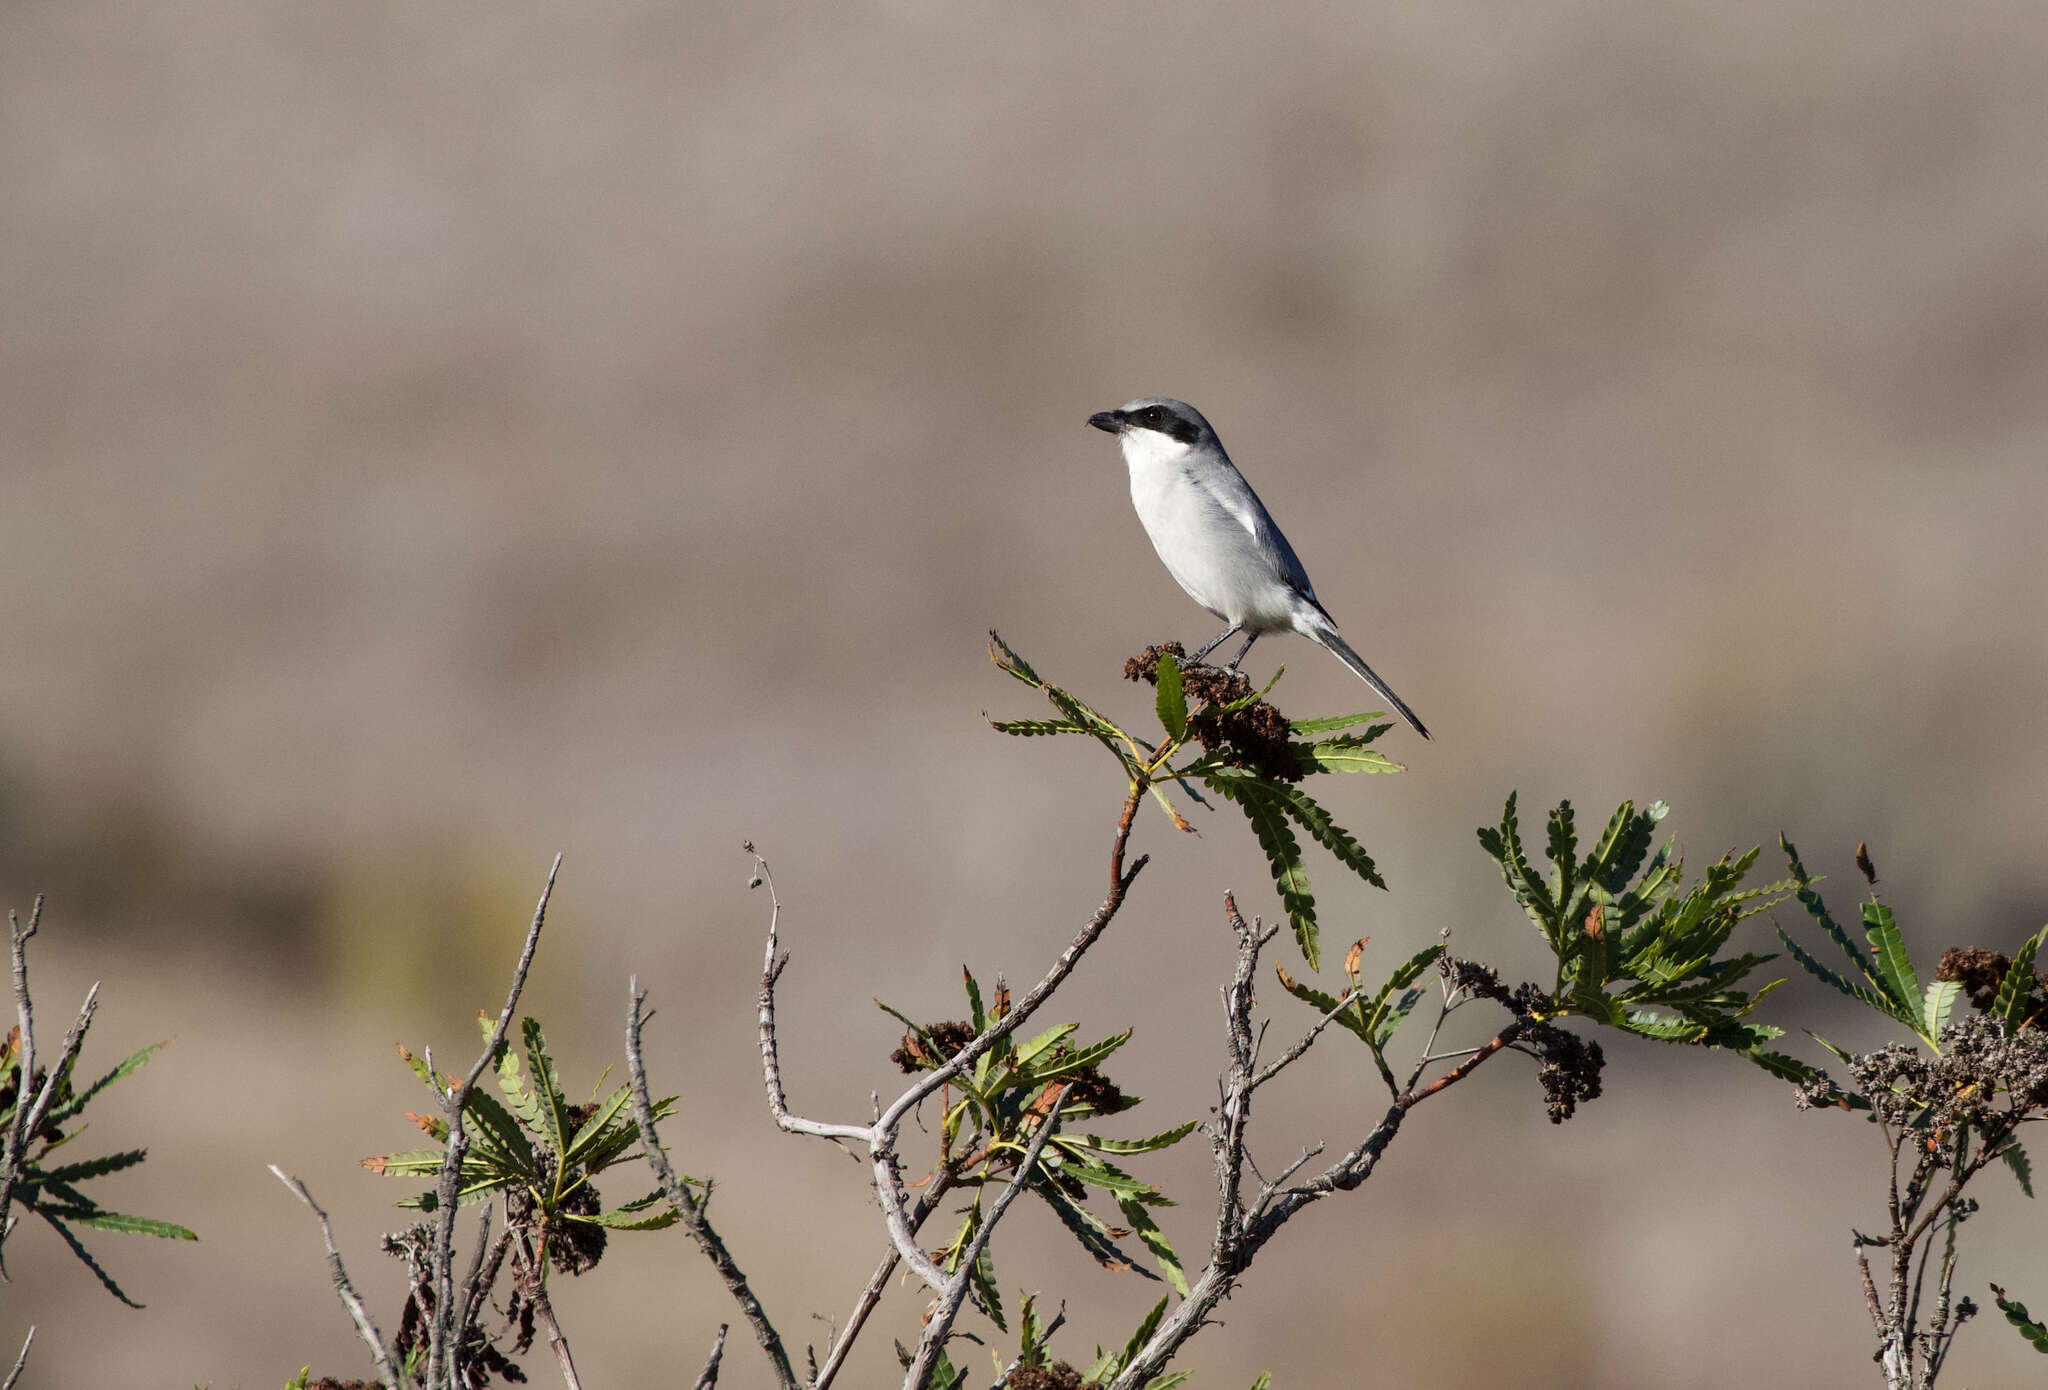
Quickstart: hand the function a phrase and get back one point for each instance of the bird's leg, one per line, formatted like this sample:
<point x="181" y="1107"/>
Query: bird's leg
<point x="1217" y="641"/>
<point x="1243" y="651"/>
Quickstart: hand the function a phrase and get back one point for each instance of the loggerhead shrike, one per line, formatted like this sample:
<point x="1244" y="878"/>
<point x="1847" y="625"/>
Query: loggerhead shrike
<point x="1216" y="538"/>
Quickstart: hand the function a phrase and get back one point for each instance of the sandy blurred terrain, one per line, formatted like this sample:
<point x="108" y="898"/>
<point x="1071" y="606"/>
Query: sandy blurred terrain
<point x="435" y="436"/>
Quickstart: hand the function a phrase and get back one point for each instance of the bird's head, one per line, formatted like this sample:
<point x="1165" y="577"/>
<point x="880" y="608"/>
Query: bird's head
<point x="1155" y="425"/>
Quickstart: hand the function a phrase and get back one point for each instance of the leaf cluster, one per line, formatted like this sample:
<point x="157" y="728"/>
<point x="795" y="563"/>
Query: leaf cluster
<point x="56" y="1191"/>
<point x="1636" y="949"/>
<point x="992" y="1113"/>
<point x="538" y="1149"/>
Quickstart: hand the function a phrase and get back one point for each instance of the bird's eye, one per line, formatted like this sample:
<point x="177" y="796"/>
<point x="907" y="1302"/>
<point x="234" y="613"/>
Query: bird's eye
<point x="1154" y="416"/>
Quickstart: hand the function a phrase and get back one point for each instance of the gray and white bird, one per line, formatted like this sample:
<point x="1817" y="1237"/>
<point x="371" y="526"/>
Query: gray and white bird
<point x="1217" y="539"/>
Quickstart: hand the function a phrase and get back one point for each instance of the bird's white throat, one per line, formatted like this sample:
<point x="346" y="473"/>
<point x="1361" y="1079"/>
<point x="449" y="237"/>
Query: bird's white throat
<point x="1145" y="450"/>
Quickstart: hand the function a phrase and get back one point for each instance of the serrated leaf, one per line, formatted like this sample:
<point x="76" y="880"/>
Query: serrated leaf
<point x="1381" y="1021"/>
<point x="1895" y="967"/>
<point x="977" y="1015"/>
<point x="94" y="1167"/>
<point x="1079" y="1059"/>
<point x="1143" y="1334"/>
<point x="981" y="1282"/>
<point x="1352" y="1016"/>
<point x="594" y="1128"/>
<point x="1826" y="976"/>
<point x="492" y="1127"/>
<point x="1781" y="1066"/>
<point x="1169" y="1380"/>
<point x="1162" y="1140"/>
<point x="1029" y="1052"/>
<point x="1107" y="1176"/>
<point x="1154" y="1239"/>
<point x="132" y="1225"/>
<point x="64" y="1110"/>
<point x="1815" y="908"/>
<point x="1934" y="1008"/>
<point x="1084" y="1225"/>
<point x="1036" y="728"/>
<point x="85" y="1258"/>
<point x="1331" y="836"/>
<point x="2010" y="1005"/>
<point x="554" y="1106"/>
<point x="1264" y="1382"/>
<point x="1347" y="753"/>
<point x="1333" y="722"/>
<point x="2016" y="1159"/>
<point x="1283" y="858"/>
<point x="1170" y="703"/>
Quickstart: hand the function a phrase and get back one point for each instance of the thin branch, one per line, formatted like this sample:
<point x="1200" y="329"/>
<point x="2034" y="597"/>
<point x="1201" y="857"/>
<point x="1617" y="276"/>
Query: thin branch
<point x="940" y="1325"/>
<point x="880" y="1137"/>
<point x="1308" y="1040"/>
<point x="387" y="1373"/>
<point x="444" y="1350"/>
<point x="14" y="1376"/>
<point x="709" y="1377"/>
<point x="690" y="1210"/>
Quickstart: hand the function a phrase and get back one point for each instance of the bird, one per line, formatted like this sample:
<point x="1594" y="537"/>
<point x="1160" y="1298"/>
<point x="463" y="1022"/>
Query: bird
<point x="1217" y="539"/>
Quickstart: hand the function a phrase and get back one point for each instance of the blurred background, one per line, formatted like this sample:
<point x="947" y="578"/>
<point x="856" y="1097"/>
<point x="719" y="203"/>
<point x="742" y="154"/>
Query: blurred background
<point x="432" y="437"/>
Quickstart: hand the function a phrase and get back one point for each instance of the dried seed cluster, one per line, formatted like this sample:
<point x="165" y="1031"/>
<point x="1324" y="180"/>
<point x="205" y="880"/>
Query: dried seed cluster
<point x="1257" y="738"/>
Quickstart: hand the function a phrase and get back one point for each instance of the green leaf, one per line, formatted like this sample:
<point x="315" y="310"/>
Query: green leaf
<point x="977" y="1015"/>
<point x="1162" y="1140"/>
<point x="1037" y="728"/>
<point x="1352" y="1016"/>
<point x="1105" y="1175"/>
<point x="1085" y="1226"/>
<point x="1030" y="1051"/>
<point x="1820" y="972"/>
<point x="85" y="1258"/>
<point x="1169" y="1380"/>
<point x="1381" y="1021"/>
<point x="1330" y="835"/>
<point x="1344" y="754"/>
<point x="1940" y="998"/>
<point x="2016" y="1159"/>
<point x="2010" y="1007"/>
<point x="1818" y="910"/>
<point x="1155" y="1240"/>
<point x="493" y="1128"/>
<point x="1079" y="1059"/>
<point x="1283" y="856"/>
<point x="94" y="1167"/>
<point x="1895" y="967"/>
<point x="554" y="1107"/>
<point x="1171" y="704"/>
<point x="1779" y="1065"/>
<point x="1563" y="849"/>
<point x="62" y="1111"/>
<point x="1331" y="723"/>
<point x="1143" y="1334"/>
<point x="1504" y="844"/>
<point x="133" y="1225"/>
<point x="1264" y="1382"/>
<point x="594" y="1128"/>
<point x="2016" y="1314"/>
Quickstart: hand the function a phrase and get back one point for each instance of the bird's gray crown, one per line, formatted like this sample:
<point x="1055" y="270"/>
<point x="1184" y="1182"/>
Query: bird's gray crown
<point x="1176" y="419"/>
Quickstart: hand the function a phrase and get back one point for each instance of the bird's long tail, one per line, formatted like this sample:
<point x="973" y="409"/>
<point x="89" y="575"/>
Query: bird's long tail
<point x="1326" y="634"/>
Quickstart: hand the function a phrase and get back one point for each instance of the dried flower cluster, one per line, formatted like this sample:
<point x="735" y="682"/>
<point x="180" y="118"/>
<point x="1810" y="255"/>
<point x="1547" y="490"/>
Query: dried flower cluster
<point x="1983" y="1079"/>
<point x="1257" y="738"/>
<point x="1569" y="1066"/>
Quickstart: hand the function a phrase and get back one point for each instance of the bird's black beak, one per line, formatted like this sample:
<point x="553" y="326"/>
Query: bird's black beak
<point x="1111" y="420"/>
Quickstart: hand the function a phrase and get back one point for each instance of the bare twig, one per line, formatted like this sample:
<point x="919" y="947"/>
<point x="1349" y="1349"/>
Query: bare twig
<point x="709" y="1377"/>
<point x="940" y="1325"/>
<point x="20" y="1362"/>
<point x="444" y="1349"/>
<point x="387" y="1373"/>
<point x="31" y="1109"/>
<point x="691" y="1211"/>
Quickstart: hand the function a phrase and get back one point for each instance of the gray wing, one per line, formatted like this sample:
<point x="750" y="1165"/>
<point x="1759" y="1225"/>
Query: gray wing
<point x="1227" y="490"/>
